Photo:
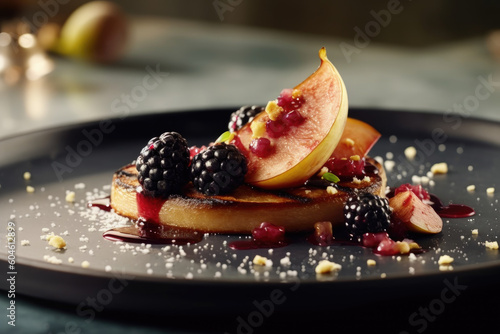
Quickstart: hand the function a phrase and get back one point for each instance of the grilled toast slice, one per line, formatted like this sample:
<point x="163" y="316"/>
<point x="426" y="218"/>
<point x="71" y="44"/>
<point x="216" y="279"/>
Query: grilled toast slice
<point x="296" y="209"/>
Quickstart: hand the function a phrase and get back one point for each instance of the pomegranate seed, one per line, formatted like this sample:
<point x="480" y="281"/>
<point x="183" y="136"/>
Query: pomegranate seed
<point x="346" y="167"/>
<point x="293" y="118"/>
<point x="261" y="147"/>
<point x="276" y="129"/>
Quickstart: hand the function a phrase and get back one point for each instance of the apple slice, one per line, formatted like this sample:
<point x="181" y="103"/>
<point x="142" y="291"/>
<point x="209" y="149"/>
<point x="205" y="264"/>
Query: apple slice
<point x="357" y="139"/>
<point x="301" y="151"/>
<point x="418" y="216"/>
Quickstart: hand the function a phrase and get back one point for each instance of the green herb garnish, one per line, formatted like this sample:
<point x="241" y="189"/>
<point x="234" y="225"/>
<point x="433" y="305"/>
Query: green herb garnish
<point x="330" y="177"/>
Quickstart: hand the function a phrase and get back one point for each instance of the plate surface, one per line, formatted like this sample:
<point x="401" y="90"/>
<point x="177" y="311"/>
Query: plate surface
<point x="82" y="159"/>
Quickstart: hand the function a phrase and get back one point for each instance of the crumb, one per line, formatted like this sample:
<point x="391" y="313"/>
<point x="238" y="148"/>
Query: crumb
<point x="356" y="180"/>
<point x="445" y="267"/>
<point x="52" y="259"/>
<point x="349" y="142"/>
<point x="403" y="247"/>
<point x="331" y="190"/>
<point x="85" y="264"/>
<point x="71" y="260"/>
<point x="70" y="197"/>
<point x="325" y="267"/>
<point x="25" y="242"/>
<point x="30" y="189"/>
<point x="107" y="268"/>
<point x="389" y="155"/>
<point x="389" y="165"/>
<point x="354" y="157"/>
<point x="490" y="191"/>
<point x="383" y="275"/>
<point x="393" y="139"/>
<point x="259" y="260"/>
<point x="371" y="262"/>
<point x="27" y="176"/>
<point x="475" y="231"/>
<point x="445" y="260"/>
<point x="471" y="188"/>
<point x="440" y="168"/>
<point x="410" y="152"/>
<point x="80" y="186"/>
<point x="491" y="244"/>
<point x="57" y="242"/>
<point x="470" y="168"/>
<point x="366" y="179"/>
<point x="322" y="171"/>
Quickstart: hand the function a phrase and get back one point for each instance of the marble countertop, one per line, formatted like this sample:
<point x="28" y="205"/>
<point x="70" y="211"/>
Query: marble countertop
<point x="200" y="65"/>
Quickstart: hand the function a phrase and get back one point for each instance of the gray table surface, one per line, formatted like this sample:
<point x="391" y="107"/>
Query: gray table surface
<point x="216" y="65"/>
<point x="221" y="65"/>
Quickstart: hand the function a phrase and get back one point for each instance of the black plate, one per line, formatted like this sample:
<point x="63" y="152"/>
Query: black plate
<point x="201" y="276"/>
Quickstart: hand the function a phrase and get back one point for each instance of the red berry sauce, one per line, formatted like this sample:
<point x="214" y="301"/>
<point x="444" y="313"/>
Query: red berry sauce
<point x="451" y="210"/>
<point x="148" y="229"/>
<point x="416" y="189"/>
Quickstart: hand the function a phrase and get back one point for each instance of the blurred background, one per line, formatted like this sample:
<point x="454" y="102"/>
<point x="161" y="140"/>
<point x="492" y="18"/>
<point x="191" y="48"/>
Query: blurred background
<point x="67" y="61"/>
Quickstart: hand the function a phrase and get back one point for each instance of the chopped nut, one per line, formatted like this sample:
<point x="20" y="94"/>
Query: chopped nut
<point x="331" y="190"/>
<point x="322" y="171"/>
<point x="349" y="142"/>
<point x="471" y="188"/>
<point x="403" y="247"/>
<point x="371" y="262"/>
<point x="70" y="196"/>
<point x="491" y="244"/>
<point x="490" y="191"/>
<point x="259" y="260"/>
<point x="410" y="152"/>
<point x="57" y="242"/>
<point x="27" y="176"/>
<point x="475" y="231"/>
<point x="440" y="168"/>
<point x="273" y="110"/>
<point x="445" y="260"/>
<point x="258" y="129"/>
<point x="325" y="267"/>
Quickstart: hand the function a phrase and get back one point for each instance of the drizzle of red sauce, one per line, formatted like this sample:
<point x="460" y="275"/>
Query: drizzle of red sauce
<point x="451" y="210"/>
<point x="101" y="203"/>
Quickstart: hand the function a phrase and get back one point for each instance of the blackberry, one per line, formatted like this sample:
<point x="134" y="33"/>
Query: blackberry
<point x="163" y="165"/>
<point x="218" y="170"/>
<point x="243" y="116"/>
<point x="366" y="213"/>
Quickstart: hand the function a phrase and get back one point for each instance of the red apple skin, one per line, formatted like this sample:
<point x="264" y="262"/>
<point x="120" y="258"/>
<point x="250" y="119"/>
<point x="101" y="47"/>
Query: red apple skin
<point x="357" y="139"/>
<point x="418" y="216"/>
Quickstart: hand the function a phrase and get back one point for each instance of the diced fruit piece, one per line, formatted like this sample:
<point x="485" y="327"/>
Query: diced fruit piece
<point x="301" y="151"/>
<point x="323" y="234"/>
<point x="418" y="216"/>
<point x="357" y="139"/>
<point x="269" y="233"/>
<point x="372" y="240"/>
<point x="417" y="190"/>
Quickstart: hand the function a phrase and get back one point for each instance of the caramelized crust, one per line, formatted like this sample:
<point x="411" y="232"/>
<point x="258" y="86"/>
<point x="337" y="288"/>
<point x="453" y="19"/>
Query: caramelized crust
<point x="297" y="209"/>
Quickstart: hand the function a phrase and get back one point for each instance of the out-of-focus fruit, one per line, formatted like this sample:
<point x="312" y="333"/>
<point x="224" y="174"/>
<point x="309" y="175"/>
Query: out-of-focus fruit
<point x="97" y="31"/>
<point x="418" y="216"/>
